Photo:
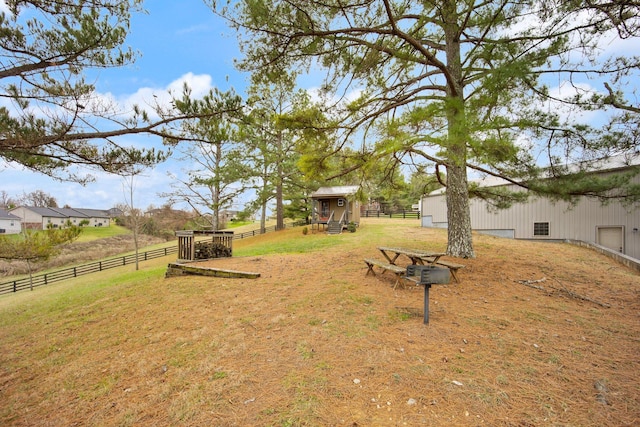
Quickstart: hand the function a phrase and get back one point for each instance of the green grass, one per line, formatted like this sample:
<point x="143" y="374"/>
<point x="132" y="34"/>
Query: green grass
<point x="94" y="233"/>
<point x="236" y="224"/>
<point x="88" y="233"/>
<point x="290" y="243"/>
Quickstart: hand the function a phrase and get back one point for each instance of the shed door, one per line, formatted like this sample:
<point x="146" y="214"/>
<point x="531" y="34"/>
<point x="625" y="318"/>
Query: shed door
<point x="324" y="209"/>
<point x="611" y="237"/>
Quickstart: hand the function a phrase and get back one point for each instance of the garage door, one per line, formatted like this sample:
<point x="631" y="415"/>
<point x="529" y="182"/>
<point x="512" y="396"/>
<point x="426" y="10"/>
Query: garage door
<point x="611" y="237"/>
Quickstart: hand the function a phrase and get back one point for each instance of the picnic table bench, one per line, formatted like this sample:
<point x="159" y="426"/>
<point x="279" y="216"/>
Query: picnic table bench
<point x="395" y="269"/>
<point x="416" y="256"/>
<point x="419" y="257"/>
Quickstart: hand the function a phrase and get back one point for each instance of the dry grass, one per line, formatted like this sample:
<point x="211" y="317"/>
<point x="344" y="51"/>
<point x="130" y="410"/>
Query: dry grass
<point x="315" y="342"/>
<point x="80" y="252"/>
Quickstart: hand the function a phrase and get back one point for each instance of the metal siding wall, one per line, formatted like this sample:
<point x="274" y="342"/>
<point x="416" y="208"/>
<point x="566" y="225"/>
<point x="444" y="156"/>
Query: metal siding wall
<point x="577" y="223"/>
<point x="436" y="207"/>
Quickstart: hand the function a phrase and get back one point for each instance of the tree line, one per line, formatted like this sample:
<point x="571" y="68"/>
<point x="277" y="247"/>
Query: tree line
<point x="438" y="91"/>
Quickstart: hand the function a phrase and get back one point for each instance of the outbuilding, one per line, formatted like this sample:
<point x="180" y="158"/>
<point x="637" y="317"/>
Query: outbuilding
<point x="613" y="225"/>
<point x="335" y="208"/>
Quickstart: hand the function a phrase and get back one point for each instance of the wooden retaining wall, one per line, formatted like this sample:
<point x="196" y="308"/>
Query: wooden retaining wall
<point x="178" y="269"/>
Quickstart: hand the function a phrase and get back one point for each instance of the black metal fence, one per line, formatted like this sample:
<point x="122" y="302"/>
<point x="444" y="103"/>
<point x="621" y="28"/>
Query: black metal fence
<point x="391" y="214"/>
<point x="80" y="270"/>
<point x="258" y="232"/>
<point x="97" y="266"/>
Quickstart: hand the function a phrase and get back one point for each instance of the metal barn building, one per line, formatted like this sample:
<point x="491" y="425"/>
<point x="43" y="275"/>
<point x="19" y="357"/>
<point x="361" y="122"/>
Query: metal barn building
<point x="613" y="225"/>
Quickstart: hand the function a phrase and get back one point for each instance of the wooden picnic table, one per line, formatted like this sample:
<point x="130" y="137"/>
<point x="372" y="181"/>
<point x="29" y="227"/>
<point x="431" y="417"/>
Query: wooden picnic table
<point x="415" y="255"/>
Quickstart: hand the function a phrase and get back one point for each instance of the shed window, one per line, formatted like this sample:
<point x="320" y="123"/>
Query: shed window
<point x="540" y="228"/>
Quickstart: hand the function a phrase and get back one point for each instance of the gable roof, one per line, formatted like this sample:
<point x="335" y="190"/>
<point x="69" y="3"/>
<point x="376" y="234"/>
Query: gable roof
<point x="69" y="212"/>
<point x="48" y="212"/>
<point x="7" y="215"/>
<point x="93" y="213"/>
<point x="338" y="191"/>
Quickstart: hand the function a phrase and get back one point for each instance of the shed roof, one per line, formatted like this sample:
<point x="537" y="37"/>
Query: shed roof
<point x="338" y="191"/>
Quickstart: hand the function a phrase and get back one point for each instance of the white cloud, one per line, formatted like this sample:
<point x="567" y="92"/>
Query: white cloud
<point x="147" y="98"/>
<point x="566" y="90"/>
<point x="3" y="7"/>
<point x="200" y="84"/>
<point x="612" y="44"/>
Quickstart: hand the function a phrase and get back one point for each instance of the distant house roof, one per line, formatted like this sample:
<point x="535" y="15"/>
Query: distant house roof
<point x="6" y="215"/>
<point x="48" y="212"/>
<point x="339" y="191"/>
<point x="115" y="212"/>
<point x="93" y="213"/>
<point x="69" y="212"/>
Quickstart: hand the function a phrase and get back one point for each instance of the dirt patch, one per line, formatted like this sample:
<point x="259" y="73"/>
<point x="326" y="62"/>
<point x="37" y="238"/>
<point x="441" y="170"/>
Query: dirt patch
<point x="315" y="342"/>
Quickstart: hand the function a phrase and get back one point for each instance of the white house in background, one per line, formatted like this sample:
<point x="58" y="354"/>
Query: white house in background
<point x="36" y="218"/>
<point x="613" y="225"/>
<point x="72" y="215"/>
<point x="97" y="217"/>
<point x="9" y="223"/>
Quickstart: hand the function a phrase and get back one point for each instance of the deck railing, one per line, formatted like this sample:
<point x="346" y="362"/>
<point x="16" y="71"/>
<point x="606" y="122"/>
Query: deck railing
<point x="391" y="214"/>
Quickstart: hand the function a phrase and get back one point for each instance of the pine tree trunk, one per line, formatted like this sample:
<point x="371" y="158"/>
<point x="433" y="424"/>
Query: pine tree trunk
<point x="458" y="214"/>
<point x="263" y="219"/>
<point x="279" y="192"/>
<point x="215" y="189"/>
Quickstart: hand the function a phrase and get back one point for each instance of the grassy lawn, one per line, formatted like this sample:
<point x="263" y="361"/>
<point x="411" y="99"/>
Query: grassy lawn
<point x="93" y="233"/>
<point x="235" y="224"/>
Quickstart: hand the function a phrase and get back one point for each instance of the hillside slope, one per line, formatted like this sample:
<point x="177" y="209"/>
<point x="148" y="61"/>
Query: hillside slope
<point x="315" y="342"/>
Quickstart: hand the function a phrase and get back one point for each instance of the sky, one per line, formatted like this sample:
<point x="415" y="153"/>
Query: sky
<point x="178" y="41"/>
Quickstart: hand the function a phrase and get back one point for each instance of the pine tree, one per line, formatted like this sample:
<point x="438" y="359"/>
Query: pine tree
<point x="458" y="86"/>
